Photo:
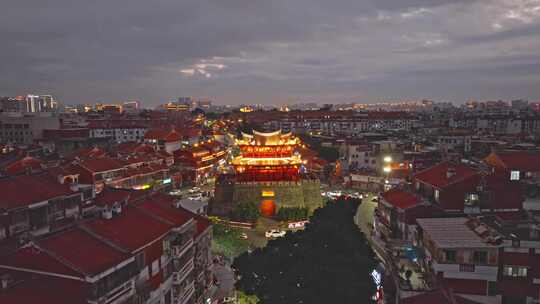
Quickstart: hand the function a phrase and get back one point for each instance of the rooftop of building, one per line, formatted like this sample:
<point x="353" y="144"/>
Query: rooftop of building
<point x="459" y="232"/>
<point x="24" y="190"/>
<point x="132" y="230"/>
<point x="401" y="199"/>
<point x="40" y="289"/>
<point x="445" y="174"/>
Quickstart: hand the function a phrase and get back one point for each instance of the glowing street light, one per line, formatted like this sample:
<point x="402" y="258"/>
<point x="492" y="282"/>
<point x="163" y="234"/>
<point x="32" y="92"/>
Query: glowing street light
<point x="387" y="159"/>
<point x="387" y="169"/>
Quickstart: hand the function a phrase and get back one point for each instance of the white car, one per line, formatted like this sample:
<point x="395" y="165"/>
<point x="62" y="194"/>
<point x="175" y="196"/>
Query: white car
<point x="275" y="233"/>
<point x="194" y="189"/>
<point x="175" y="192"/>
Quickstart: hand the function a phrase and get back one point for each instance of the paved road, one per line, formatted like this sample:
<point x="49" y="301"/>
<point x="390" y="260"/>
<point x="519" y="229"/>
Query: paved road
<point x="225" y="277"/>
<point x="364" y="215"/>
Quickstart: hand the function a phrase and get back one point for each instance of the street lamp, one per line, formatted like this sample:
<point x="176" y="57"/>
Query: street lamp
<point x="387" y="169"/>
<point x="387" y="159"/>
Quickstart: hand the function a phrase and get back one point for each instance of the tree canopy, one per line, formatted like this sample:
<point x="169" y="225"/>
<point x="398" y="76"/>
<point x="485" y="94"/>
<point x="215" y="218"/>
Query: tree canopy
<point x="328" y="262"/>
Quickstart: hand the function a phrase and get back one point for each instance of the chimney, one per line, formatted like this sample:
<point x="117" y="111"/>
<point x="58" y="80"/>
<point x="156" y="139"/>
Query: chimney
<point x="450" y="172"/>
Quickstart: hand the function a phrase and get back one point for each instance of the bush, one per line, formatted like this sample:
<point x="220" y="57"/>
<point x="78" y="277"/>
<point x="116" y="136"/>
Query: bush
<point x="246" y="212"/>
<point x="292" y="213"/>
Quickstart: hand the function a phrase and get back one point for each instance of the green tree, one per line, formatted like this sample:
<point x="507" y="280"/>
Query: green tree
<point x="246" y="212"/>
<point x="328" y="262"/>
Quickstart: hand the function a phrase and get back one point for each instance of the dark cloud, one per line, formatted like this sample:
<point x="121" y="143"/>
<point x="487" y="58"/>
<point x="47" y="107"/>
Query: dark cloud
<point x="268" y="51"/>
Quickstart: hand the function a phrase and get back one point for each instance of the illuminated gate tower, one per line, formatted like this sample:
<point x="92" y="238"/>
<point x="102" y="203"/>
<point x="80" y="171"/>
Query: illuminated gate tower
<point x="270" y="172"/>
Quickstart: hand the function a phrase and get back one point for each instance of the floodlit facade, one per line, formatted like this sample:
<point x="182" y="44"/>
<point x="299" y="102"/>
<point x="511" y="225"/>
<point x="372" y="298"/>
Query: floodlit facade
<point x="269" y="171"/>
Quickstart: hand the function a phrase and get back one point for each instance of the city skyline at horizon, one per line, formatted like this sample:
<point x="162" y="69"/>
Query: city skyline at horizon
<point x="266" y="53"/>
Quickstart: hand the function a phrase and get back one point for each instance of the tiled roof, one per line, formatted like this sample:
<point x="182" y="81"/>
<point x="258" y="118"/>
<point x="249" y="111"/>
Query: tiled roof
<point x="202" y="224"/>
<point x="108" y="196"/>
<point x="87" y="153"/>
<point x="83" y="251"/>
<point x="21" y="191"/>
<point x="34" y="259"/>
<point x="155" y="134"/>
<point x="520" y="160"/>
<point x="132" y="229"/>
<point x="437" y="175"/>
<point x="400" y="199"/>
<point x="39" y="289"/>
<point x="161" y="205"/>
<point x="103" y="164"/>
<point x="24" y="164"/>
<point x="173" y="136"/>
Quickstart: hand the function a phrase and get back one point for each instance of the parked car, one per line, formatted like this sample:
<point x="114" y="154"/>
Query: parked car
<point x="175" y="192"/>
<point x="275" y="233"/>
<point x="194" y="189"/>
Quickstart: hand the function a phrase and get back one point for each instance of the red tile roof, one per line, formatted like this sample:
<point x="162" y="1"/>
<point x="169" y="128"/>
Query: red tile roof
<point x="505" y="194"/>
<point x="21" y="191"/>
<point x="400" y="199"/>
<point x="24" y="164"/>
<point x="155" y="134"/>
<point x="38" y="289"/>
<point x="202" y="224"/>
<point x="83" y="251"/>
<point x="437" y="175"/>
<point x="173" y="136"/>
<point x="132" y="229"/>
<point x="87" y="153"/>
<point x="519" y="160"/>
<point x="161" y="205"/>
<point x="34" y="259"/>
<point x="103" y="164"/>
<point x="108" y="196"/>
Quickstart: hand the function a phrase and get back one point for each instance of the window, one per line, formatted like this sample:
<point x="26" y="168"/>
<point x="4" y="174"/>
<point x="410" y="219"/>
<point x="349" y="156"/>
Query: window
<point x="514" y="271"/>
<point x="480" y="257"/>
<point x="450" y="255"/>
<point x="466" y="267"/>
<point x="514" y="175"/>
<point x="471" y="199"/>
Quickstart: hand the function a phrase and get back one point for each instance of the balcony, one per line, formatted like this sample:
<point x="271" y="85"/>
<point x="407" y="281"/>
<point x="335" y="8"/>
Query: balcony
<point x="181" y="275"/>
<point x="118" y="295"/>
<point x="185" y="295"/>
<point x="178" y="251"/>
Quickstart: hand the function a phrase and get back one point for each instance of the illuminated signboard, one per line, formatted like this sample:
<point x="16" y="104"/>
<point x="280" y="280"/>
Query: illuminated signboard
<point x="377" y="278"/>
<point x="167" y="181"/>
<point x="268" y="193"/>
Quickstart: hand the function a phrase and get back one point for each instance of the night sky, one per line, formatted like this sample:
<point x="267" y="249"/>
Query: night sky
<point x="270" y="51"/>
